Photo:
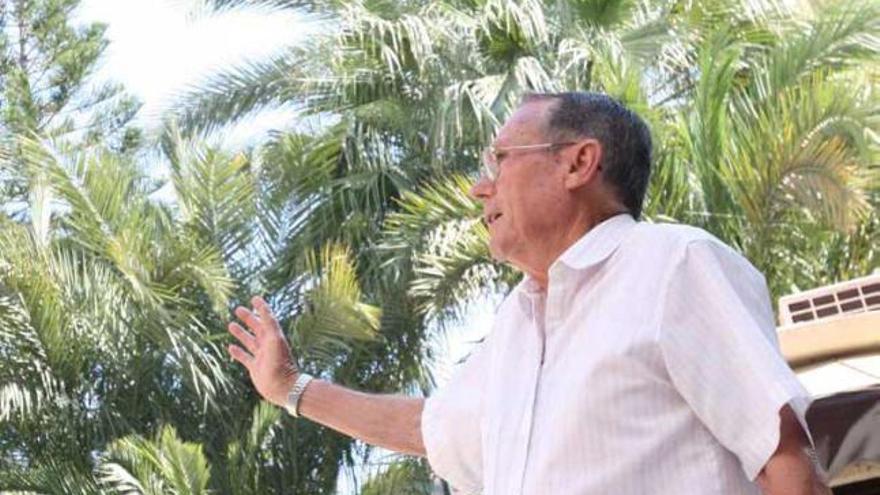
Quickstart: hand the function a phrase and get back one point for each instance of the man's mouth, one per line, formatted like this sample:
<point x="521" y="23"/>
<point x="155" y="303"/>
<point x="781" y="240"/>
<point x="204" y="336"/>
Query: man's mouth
<point x="492" y="217"/>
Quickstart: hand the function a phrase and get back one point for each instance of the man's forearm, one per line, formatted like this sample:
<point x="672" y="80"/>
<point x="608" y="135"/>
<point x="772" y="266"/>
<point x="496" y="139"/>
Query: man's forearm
<point x="389" y="421"/>
<point x="792" y="469"/>
<point x="791" y="474"/>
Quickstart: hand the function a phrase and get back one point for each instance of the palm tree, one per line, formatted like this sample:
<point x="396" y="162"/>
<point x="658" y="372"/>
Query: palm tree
<point x="101" y="312"/>
<point x="777" y="138"/>
<point x="155" y="467"/>
<point x="47" y="60"/>
<point x="112" y="298"/>
<point x="758" y="134"/>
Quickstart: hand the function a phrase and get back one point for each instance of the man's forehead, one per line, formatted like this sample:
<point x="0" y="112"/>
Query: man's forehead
<point x="527" y="121"/>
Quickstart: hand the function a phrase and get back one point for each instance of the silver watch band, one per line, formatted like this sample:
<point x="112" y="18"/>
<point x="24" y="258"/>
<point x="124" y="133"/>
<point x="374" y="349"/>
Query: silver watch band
<point x="292" y="405"/>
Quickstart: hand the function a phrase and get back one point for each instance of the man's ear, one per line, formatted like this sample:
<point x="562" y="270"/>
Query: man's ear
<point x="585" y="165"/>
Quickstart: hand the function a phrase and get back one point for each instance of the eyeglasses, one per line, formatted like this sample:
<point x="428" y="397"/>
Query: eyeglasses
<point x="493" y="155"/>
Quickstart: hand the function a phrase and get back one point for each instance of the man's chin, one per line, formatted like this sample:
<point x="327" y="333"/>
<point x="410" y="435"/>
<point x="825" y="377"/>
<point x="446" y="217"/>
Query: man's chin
<point x="497" y="253"/>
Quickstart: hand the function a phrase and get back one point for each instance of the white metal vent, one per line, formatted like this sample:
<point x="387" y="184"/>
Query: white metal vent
<point x="853" y="296"/>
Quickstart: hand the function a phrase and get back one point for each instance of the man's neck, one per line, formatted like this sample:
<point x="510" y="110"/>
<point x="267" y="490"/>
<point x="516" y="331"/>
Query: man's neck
<point x="539" y="270"/>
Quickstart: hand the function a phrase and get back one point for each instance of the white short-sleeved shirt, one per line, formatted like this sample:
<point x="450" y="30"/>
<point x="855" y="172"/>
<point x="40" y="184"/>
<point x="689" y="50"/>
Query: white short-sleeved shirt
<point x="650" y="365"/>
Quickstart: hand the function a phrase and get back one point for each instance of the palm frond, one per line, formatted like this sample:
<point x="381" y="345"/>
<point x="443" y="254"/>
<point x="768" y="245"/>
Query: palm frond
<point x="357" y="171"/>
<point x="105" y="213"/>
<point x="165" y="464"/>
<point x="467" y="106"/>
<point x="405" y="476"/>
<point x="228" y="96"/>
<point x="219" y="6"/>
<point x="398" y="44"/>
<point x="438" y="229"/>
<point x="616" y="59"/>
<point x="508" y="30"/>
<point x="531" y="76"/>
<point x="706" y="125"/>
<point x="805" y="155"/>
<point x="646" y="34"/>
<point x="445" y="201"/>
<point x="18" y="401"/>
<point x="192" y="263"/>
<point x="599" y="13"/>
<point x="243" y="456"/>
<point x="334" y="315"/>
<point x="112" y="219"/>
<point x="50" y="478"/>
<point x="843" y="35"/>
<point x="216" y="195"/>
<point x="673" y="192"/>
<point x="454" y="268"/>
<point x="37" y="325"/>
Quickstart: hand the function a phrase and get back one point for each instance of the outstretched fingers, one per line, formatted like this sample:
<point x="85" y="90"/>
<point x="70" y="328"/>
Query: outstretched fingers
<point x="246" y="338"/>
<point x="265" y="314"/>
<point x="251" y="320"/>
<point x="241" y="356"/>
<point x="260" y="329"/>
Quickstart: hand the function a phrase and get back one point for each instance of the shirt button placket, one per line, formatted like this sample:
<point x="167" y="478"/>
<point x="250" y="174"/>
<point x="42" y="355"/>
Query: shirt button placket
<point x="545" y="319"/>
<point x="536" y="367"/>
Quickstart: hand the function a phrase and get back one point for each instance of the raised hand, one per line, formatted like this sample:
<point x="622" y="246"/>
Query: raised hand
<point x="264" y="351"/>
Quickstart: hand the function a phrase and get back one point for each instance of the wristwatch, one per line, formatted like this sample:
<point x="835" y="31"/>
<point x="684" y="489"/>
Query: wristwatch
<point x="292" y="404"/>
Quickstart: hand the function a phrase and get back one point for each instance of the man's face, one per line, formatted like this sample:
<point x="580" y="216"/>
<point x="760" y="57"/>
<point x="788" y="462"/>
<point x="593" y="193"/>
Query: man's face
<point x="525" y="206"/>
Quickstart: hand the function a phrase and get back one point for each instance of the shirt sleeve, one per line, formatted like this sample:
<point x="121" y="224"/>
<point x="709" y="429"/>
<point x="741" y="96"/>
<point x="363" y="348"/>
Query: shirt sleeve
<point x="719" y="344"/>
<point x="451" y="424"/>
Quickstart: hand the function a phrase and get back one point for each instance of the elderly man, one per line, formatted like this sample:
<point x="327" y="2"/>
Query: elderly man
<point x="633" y="358"/>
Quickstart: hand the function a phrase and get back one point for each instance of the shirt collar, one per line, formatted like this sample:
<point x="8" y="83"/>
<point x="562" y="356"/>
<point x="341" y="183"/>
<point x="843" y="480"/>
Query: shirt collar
<point x="597" y="244"/>
<point x="592" y="248"/>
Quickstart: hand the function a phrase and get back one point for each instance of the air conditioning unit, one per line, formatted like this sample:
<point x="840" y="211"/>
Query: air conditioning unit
<point x="832" y="322"/>
<point x="823" y="332"/>
<point x="844" y="298"/>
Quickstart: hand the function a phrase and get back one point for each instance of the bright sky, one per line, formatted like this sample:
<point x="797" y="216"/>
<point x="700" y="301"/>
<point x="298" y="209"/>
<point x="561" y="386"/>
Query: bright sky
<point x="159" y="48"/>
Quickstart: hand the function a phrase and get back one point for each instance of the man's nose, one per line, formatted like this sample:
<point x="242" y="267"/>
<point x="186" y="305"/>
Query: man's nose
<point x="482" y="189"/>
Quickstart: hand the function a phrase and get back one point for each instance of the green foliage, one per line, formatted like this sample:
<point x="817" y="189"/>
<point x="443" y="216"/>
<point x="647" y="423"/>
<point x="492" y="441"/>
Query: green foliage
<point x="49" y="479"/>
<point x="165" y="465"/>
<point x="404" y="476"/>
<point x="334" y="313"/>
<point x="114" y="288"/>
<point x="46" y="64"/>
<point x="246" y="457"/>
<point x="100" y="312"/>
<point x="453" y="264"/>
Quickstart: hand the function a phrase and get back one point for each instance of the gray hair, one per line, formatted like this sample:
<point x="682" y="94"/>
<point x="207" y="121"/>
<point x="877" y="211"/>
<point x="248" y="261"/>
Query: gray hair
<point x="624" y="136"/>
